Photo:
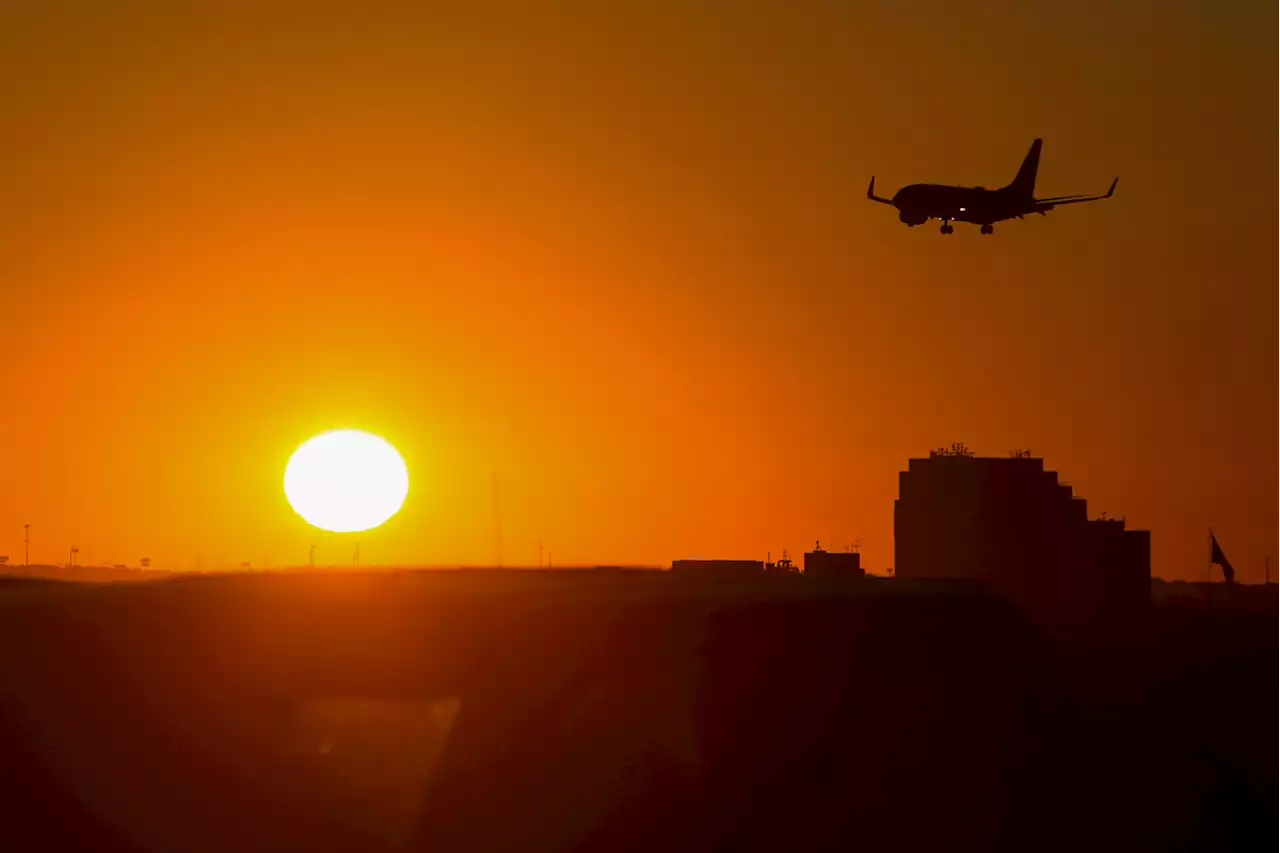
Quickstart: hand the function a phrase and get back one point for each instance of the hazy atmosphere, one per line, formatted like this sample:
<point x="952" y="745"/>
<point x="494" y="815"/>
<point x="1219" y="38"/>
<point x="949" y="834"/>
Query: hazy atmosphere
<point x="619" y="256"/>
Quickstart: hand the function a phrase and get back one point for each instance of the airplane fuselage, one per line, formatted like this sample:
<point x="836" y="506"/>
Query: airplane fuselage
<point x="918" y="203"/>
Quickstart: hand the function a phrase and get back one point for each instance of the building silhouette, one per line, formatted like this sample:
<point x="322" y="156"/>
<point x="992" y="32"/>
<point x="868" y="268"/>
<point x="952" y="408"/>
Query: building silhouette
<point x="1011" y="524"/>
<point x="718" y="568"/>
<point x="832" y="564"/>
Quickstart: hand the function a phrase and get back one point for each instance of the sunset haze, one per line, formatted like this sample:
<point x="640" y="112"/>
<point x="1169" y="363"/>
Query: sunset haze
<point x="617" y="259"/>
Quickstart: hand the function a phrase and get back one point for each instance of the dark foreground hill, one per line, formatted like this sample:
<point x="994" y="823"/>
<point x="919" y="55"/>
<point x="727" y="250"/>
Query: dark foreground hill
<point x="457" y="711"/>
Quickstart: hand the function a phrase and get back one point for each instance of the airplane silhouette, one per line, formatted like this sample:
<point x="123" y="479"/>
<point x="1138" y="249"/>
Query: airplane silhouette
<point x="918" y="203"/>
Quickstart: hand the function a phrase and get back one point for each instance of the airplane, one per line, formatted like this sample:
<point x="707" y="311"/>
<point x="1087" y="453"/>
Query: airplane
<point x="918" y="203"/>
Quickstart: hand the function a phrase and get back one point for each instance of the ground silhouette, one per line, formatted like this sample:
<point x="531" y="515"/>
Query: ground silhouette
<point x="621" y="710"/>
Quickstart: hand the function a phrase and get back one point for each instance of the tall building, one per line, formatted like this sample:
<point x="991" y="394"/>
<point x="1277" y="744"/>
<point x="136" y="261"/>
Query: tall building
<point x="1010" y="523"/>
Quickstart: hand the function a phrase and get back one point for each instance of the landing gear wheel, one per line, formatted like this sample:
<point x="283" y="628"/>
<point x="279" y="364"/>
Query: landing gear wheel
<point x="946" y="228"/>
<point x="987" y="229"/>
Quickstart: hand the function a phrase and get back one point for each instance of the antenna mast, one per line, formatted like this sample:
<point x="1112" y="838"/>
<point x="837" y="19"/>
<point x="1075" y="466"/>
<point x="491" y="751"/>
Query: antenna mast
<point x="497" y="519"/>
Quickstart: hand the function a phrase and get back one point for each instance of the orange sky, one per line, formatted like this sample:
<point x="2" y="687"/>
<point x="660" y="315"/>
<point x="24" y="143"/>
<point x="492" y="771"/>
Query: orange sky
<point x="624" y="260"/>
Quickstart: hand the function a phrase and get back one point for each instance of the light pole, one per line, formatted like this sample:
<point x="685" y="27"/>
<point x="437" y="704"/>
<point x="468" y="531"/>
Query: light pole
<point x="26" y="544"/>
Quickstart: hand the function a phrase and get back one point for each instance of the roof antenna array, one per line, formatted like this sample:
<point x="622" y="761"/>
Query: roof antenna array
<point x="957" y="448"/>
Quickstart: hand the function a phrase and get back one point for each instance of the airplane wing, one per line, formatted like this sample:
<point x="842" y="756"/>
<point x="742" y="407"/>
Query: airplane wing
<point x="1073" y="199"/>
<point x="871" y="193"/>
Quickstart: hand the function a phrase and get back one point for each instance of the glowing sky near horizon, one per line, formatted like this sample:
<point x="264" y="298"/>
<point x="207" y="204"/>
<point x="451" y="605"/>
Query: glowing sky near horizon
<point x="622" y="258"/>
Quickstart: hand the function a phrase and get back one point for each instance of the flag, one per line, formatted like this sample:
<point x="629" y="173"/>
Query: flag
<point x="1216" y="556"/>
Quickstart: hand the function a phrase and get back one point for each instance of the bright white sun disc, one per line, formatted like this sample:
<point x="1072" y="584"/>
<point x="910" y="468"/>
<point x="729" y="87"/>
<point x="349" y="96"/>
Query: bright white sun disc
<point x="346" y="481"/>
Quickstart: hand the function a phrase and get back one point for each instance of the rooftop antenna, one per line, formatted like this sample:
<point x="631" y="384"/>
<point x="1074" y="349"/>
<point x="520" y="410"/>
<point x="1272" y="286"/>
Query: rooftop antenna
<point x="497" y="519"/>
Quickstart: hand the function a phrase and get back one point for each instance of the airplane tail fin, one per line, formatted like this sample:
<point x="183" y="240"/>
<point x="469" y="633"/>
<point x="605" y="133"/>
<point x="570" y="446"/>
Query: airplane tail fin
<point x="1025" y="182"/>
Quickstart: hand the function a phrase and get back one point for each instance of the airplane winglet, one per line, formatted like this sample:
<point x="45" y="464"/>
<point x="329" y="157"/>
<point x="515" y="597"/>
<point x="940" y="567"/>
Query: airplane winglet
<point x="871" y="192"/>
<point x="1113" y="187"/>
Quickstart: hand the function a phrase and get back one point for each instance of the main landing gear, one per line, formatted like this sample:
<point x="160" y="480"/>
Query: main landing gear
<point x="948" y="228"/>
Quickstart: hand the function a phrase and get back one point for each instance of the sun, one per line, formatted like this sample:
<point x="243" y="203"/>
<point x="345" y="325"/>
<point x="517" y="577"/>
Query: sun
<point x="346" y="481"/>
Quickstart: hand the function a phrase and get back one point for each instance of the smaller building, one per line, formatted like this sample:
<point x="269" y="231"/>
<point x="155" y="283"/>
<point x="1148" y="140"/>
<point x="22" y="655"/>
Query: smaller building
<point x="832" y="564"/>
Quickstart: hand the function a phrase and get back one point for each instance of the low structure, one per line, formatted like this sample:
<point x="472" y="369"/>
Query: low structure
<point x="718" y="567"/>
<point x="832" y="564"/>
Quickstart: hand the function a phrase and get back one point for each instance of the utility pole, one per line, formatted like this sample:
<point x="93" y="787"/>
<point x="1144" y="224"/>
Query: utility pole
<point x="355" y="558"/>
<point x="311" y="556"/>
<point x="26" y="544"/>
<point x="497" y="519"/>
<point x="71" y="560"/>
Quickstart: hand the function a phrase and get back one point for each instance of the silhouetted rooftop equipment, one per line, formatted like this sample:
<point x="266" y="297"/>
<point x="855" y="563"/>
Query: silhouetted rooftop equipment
<point x="783" y="566"/>
<point x="956" y="449"/>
